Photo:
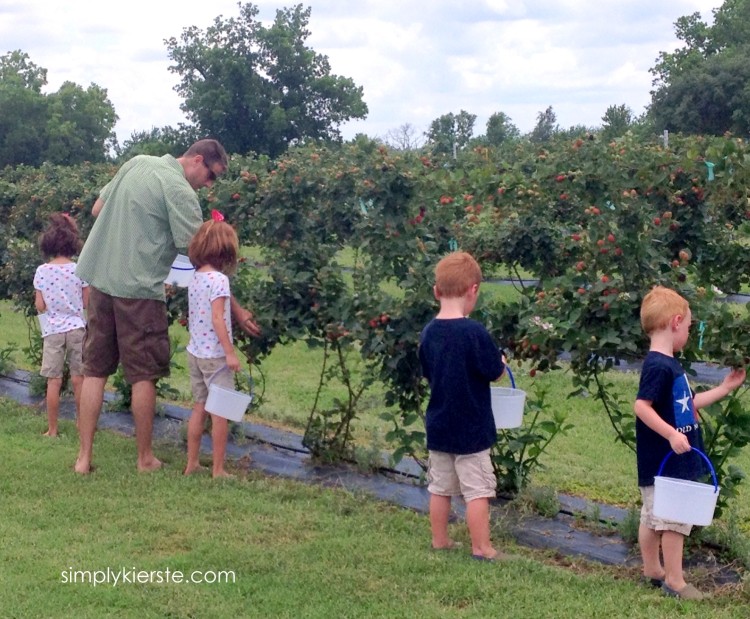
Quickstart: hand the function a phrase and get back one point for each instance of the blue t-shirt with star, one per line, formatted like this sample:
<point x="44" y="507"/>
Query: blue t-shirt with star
<point x="665" y="384"/>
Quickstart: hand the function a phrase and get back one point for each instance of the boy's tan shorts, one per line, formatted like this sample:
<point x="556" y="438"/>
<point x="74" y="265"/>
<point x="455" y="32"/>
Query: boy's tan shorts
<point x="203" y="370"/>
<point x="654" y="522"/>
<point x="470" y="475"/>
<point x="57" y="347"/>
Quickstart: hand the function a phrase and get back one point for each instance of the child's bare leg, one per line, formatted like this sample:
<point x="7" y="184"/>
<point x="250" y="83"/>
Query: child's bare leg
<point x="440" y="511"/>
<point x="77" y="383"/>
<point x="219" y="434"/>
<point x="53" y="405"/>
<point x="478" y="521"/>
<point x="649" y="542"/>
<point x="194" y="434"/>
<point x="671" y="546"/>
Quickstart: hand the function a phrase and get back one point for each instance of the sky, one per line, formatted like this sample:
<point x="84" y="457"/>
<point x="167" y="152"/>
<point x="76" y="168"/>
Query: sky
<point x="415" y="59"/>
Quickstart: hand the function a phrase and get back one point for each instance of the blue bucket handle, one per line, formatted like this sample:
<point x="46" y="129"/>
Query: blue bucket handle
<point x="510" y="375"/>
<point x="704" y="456"/>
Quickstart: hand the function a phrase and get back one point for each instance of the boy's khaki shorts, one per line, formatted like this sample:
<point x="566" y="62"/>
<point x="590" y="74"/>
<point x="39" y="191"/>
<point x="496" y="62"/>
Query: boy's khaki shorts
<point x="654" y="522"/>
<point x="57" y="347"/>
<point x="201" y="373"/>
<point x="470" y="475"/>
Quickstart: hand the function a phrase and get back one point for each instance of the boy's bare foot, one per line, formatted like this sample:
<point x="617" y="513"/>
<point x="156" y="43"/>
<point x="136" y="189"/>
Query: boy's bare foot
<point x="222" y="474"/>
<point x="688" y="592"/>
<point x="654" y="581"/>
<point x="152" y="464"/>
<point x="51" y="433"/>
<point x="451" y="545"/>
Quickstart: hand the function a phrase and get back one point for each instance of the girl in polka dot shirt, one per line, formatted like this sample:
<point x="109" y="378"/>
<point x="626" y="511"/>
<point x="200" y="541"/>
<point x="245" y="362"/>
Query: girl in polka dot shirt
<point x="60" y="298"/>
<point x="211" y="357"/>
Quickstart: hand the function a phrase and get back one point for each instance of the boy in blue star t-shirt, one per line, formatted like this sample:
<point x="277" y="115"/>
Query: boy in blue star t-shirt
<point x="667" y="419"/>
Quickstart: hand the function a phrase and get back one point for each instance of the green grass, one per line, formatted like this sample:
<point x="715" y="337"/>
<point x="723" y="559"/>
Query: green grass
<point x="14" y="331"/>
<point x="295" y="551"/>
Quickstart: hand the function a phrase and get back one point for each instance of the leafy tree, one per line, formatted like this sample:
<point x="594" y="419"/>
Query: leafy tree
<point x="617" y="120"/>
<point x="23" y="110"/>
<point x="701" y="87"/>
<point x="17" y="69"/>
<point x="546" y="126"/>
<point x="731" y="27"/>
<point x="67" y="127"/>
<point x="23" y="114"/>
<point x="451" y="132"/>
<point x="710" y="99"/>
<point x="697" y="46"/>
<point x="258" y="88"/>
<point x="500" y="129"/>
<point x="80" y="125"/>
<point x="572" y="132"/>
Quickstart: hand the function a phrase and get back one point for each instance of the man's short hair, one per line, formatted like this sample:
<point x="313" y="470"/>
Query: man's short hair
<point x="211" y="150"/>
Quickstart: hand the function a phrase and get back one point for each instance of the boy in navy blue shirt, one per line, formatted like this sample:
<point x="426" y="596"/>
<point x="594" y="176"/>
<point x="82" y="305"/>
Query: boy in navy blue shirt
<point x="459" y="360"/>
<point x="667" y="419"/>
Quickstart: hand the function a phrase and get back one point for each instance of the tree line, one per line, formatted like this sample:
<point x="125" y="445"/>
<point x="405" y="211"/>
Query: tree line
<point x="261" y="89"/>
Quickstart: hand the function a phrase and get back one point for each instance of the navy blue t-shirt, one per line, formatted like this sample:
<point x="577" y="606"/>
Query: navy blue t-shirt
<point x="664" y="383"/>
<point x="459" y="360"/>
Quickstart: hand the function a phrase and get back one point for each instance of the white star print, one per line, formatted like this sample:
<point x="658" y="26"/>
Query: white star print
<point x="684" y="401"/>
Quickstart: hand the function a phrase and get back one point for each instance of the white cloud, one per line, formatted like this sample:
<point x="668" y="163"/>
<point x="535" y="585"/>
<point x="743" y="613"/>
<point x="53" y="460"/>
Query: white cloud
<point x="415" y="59"/>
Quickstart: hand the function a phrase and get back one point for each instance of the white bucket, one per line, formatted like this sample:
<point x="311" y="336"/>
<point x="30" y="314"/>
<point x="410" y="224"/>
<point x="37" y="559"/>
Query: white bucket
<point x="507" y="404"/>
<point x="181" y="273"/>
<point x="684" y="501"/>
<point x="227" y="403"/>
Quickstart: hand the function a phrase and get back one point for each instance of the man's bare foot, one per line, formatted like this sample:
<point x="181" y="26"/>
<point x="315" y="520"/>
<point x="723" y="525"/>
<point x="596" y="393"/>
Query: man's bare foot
<point x="83" y="467"/>
<point x="151" y="464"/>
<point x="52" y="433"/>
<point x="222" y="473"/>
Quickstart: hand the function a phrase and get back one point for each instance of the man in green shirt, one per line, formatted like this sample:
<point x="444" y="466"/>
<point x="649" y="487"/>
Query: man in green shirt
<point x="145" y="215"/>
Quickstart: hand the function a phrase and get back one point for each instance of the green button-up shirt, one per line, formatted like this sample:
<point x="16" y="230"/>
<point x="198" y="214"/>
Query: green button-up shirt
<point x="150" y="213"/>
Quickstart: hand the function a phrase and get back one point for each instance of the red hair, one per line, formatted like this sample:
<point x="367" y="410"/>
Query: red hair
<point x="456" y="273"/>
<point x="216" y="244"/>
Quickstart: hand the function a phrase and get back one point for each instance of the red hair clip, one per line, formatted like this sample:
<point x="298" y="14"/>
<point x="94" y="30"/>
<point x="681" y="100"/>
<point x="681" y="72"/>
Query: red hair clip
<point x="216" y="215"/>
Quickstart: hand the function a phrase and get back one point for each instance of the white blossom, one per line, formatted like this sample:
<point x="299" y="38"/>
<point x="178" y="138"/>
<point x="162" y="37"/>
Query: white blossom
<point x="545" y="326"/>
